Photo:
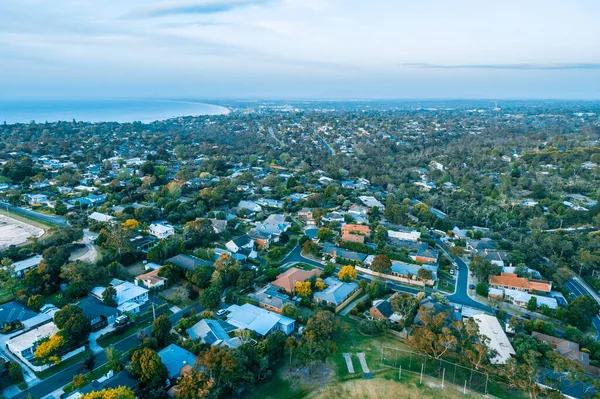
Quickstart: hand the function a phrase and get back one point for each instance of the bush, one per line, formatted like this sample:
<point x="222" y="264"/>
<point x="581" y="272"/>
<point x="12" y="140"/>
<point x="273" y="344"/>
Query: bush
<point x="372" y="327"/>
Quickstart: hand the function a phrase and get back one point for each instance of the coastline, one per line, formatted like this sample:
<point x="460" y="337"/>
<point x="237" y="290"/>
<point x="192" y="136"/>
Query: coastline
<point x="96" y="111"/>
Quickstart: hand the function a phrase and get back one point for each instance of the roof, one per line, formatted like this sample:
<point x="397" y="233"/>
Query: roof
<point x="13" y="311"/>
<point x="343" y="253"/>
<point x="359" y="228"/>
<point x="353" y="238"/>
<point x="126" y="291"/>
<point x="524" y="297"/>
<point x="408" y="268"/>
<point x="27" y="340"/>
<point x="93" y="308"/>
<point x="250" y="317"/>
<point x="288" y="279"/>
<point x="565" y="348"/>
<point x="27" y="263"/>
<point x="174" y="357"/>
<point x="336" y="291"/>
<point x="161" y="228"/>
<point x="513" y="281"/>
<point x="209" y="331"/>
<point x="269" y="295"/>
<point x="188" y="262"/>
<point x="490" y="327"/>
<point x="151" y="278"/>
<point x="242" y="240"/>
<point x="122" y="379"/>
<point x="100" y="217"/>
<point x="384" y="307"/>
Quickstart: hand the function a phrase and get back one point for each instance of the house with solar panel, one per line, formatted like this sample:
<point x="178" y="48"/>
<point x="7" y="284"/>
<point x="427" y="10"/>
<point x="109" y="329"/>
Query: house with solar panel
<point x="261" y="321"/>
<point x="211" y="332"/>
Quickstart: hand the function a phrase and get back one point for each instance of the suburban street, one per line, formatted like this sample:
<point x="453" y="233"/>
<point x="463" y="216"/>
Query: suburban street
<point x="65" y="376"/>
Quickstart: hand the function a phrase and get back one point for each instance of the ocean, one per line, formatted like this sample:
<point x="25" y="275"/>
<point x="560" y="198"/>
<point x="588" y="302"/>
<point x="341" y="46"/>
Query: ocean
<point x="25" y="111"/>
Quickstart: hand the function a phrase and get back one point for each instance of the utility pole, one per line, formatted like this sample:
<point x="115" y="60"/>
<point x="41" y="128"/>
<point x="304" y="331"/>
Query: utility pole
<point x="400" y="373"/>
<point x="443" y="377"/>
<point x="153" y="311"/>
<point x="465" y="388"/>
<point x="421" y="381"/>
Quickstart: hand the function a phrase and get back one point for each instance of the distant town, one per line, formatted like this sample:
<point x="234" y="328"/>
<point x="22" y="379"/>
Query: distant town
<point x="300" y="249"/>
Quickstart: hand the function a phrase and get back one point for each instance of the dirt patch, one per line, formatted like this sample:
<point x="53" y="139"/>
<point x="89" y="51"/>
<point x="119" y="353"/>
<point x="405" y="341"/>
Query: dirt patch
<point x="15" y="232"/>
<point x="299" y="377"/>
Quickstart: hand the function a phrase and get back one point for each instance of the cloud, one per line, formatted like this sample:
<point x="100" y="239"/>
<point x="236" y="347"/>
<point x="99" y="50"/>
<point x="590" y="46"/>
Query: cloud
<point x="523" y="67"/>
<point x="194" y="7"/>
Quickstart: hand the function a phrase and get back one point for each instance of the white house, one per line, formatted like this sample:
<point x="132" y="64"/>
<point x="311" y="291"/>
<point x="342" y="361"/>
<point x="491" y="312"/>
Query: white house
<point x="129" y="298"/>
<point x="22" y="266"/>
<point x="259" y="320"/>
<point x="24" y="345"/>
<point x="497" y="339"/>
<point x="412" y="235"/>
<point x="37" y="199"/>
<point x="241" y="242"/>
<point x="100" y="217"/>
<point x="161" y="231"/>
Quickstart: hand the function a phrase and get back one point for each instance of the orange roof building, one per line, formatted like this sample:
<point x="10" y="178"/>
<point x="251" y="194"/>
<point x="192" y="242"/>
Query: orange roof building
<point x="356" y="229"/>
<point x="513" y="282"/>
<point x="353" y="238"/>
<point x="288" y="280"/>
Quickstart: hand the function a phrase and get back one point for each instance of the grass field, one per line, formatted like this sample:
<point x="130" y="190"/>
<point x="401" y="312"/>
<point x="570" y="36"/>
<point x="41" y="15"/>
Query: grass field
<point x="389" y="387"/>
<point x="136" y="269"/>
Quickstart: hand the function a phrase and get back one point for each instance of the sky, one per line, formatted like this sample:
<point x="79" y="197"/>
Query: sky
<point x="300" y="49"/>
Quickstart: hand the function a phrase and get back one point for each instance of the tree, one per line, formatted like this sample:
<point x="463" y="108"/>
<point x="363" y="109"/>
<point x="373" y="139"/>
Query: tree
<point x="524" y="376"/>
<point x="73" y="324"/>
<point x="291" y="311"/>
<point x="161" y="330"/>
<point x="317" y="343"/>
<point x="381" y="264"/>
<point x="482" y="289"/>
<point x="291" y="342"/>
<point x="194" y="385"/>
<point x="375" y="288"/>
<point x="210" y="297"/>
<point x="78" y="381"/>
<point x="35" y="302"/>
<point x="109" y="296"/>
<point x="15" y="373"/>
<point x="347" y="274"/>
<point x="324" y="234"/>
<point x="434" y="337"/>
<point x="584" y="308"/>
<point x="113" y="358"/>
<point x="424" y="274"/>
<point x="221" y="365"/>
<point x="89" y="362"/>
<point x="9" y="280"/>
<point x="404" y="304"/>
<point x="113" y="393"/>
<point x="148" y="368"/>
<point x="483" y="268"/>
<point x="303" y="288"/>
<point x="131" y="225"/>
<point x="311" y="248"/>
<point x="48" y="350"/>
<point x="532" y="304"/>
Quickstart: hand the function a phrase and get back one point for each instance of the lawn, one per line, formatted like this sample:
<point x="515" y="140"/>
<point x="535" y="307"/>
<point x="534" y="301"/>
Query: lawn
<point x="136" y="269"/>
<point x="64" y="365"/>
<point x="446" y="286"/>
<point x="303" y="266"/>
<point x="5" y="295"/>
<point x="177" y="295"/>
<point x="131" y="329"/>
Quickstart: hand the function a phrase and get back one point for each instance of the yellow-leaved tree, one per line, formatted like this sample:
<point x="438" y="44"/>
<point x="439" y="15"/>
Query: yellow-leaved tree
<point x="47" y="350"/>
<point x="303" y="288"/>
<point x="114" y="393"/>
<point x="347" y="273"/>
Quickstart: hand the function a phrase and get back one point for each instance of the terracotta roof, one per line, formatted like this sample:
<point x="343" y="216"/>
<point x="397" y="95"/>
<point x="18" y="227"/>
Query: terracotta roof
<point x="511" y="280"/>
<point x="348" y="228"/>
<point x="151" y="278"/>
<point x="353" y="238"/>
<point x="288" y="280"/>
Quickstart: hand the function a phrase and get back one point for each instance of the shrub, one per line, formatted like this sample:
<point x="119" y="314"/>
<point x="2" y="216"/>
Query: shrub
<point x="482" y="289"/>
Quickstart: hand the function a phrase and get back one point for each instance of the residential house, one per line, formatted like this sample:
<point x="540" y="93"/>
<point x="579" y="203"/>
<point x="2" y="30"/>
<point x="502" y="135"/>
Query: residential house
<point x="189" y="262"/>
<point x="129" y="298"/>
<point x="357" y="229"/>
<point x="239" y="243"/>
<point x="24" y="265"/>
<point x="569" y="350"/>
<point x="288" y="279"/>
<point x="353" y="238"/>
<point x="511" y="281"/>
<point x="250" y="206"/>
<point x="100" y="314"/>
<point x="305" y="213"/>
<point x="37" y="199"/>
<point x="426" y="256"/>
<point x="176" y="359"/>
<point x="24" y="345"/>
<point x="496" y="338"/>
<point x="270" y="298"/>
<point x="100" y="217"/>
<point x="161" y="231"/>
<point x="410" y="271"/>
<point x="151" y="280"/>
<point x="108" y="381"/>
<point x="144" y="243"/>
<point x="218" y="225"/>
<point x="211" y="332"/>
<point x="13" y="313"/>
<point x="370" y="202"/>
<point x="522" y="298"/>
<point x="337" y="252"/>
<point x="496" y="258"/>
<point x="382" y="310"/>
<point x="335" y="293"/>
<point x="259" y="320"/>
<point x="405" y="235"/>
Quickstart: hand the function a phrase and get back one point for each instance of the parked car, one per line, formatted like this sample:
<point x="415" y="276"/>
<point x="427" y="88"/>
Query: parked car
<point x="471" y="286"/>
<point x="221" y="312"/>
<point x="121" y="321"/>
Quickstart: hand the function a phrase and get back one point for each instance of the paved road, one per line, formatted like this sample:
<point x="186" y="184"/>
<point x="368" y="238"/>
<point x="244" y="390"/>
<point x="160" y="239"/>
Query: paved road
<point x="461" y="295"/>
<point x="576" y="289"/>
<point x="65" y="376"/>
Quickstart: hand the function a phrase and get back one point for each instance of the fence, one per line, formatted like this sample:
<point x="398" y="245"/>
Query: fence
<point x="53" y="220"/>
<point x="450" y="372"/>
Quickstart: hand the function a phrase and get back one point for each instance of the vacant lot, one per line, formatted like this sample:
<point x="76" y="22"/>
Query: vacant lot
<point x="15" y="232"/>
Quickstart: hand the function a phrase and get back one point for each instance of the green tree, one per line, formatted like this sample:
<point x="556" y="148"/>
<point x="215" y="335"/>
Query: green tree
<point x="325" y="234"/>
<point x="161" y="330"/>
<point x="35" y="302"/>
<point x="483" y="268"/>
<point x="532" y="304"/>
<point x="15" y="373"/>
<point x="109" y="296"/>
<point x="291" y="311"/>
<point x="583" y="308"/>
<point x="210" y="297"/>
<point x="381" y="264"/>
<point x="74" y="326"/>
<point x="482" y="289"/>
<point x="148" y="368"/>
